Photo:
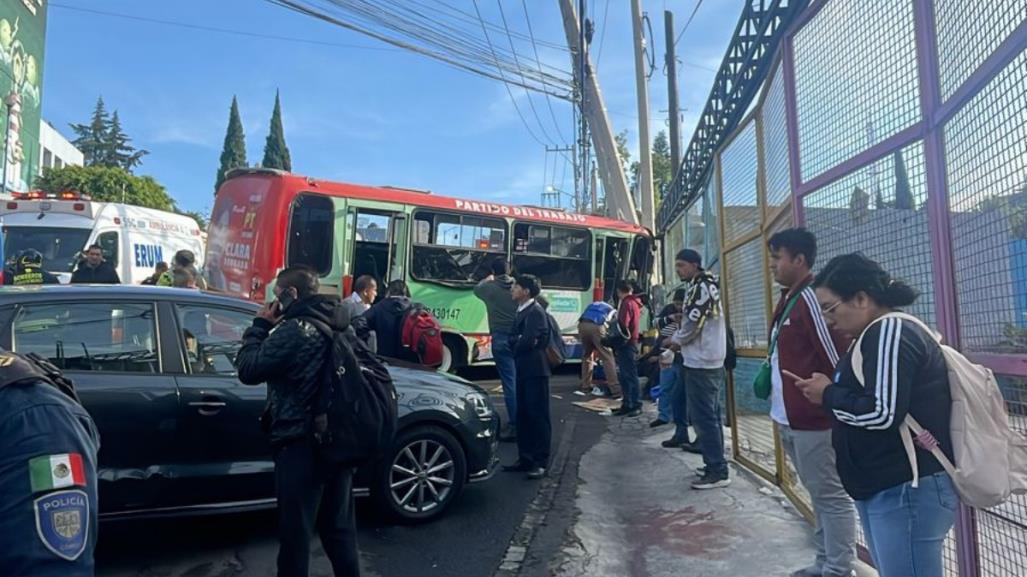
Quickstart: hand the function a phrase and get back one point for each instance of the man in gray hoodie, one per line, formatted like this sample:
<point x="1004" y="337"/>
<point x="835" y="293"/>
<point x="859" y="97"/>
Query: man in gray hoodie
<point x="494" y="291"/>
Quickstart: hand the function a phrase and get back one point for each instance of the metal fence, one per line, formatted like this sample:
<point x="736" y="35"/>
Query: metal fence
<point x="897" y="128"/>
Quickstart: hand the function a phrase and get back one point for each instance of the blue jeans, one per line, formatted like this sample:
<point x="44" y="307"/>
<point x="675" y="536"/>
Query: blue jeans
<point x="906" y="527"/>
<point x="672" y="403"/>
<point x="503" y="357"/>
<point x="702" y="388"/>
<point x="627" y="374"/>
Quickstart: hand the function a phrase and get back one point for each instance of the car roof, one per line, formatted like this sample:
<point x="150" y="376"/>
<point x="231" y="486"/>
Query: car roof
<point x="12" y="295"/>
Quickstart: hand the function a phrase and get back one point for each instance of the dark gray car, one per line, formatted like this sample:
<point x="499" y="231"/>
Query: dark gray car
<point x="181" y="435"/>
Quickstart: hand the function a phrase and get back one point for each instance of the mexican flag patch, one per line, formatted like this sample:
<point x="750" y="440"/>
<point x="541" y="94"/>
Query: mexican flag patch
<point x="51" y="472"/>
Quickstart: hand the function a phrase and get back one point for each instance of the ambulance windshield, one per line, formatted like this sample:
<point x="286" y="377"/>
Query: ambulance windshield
<point x="61" y="247"/>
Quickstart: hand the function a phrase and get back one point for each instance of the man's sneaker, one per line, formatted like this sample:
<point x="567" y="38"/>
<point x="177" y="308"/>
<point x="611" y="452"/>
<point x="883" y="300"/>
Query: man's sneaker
<point x="700" y="472"/>
<point x="598" y="392"/>
<point x="621" y="411"/>
<point x="711" y="482"/>
<point x="580" y="393"/>
<point x="657" y="423"/>
<point x="632" y="412"/>
<point x="672" y="443"/>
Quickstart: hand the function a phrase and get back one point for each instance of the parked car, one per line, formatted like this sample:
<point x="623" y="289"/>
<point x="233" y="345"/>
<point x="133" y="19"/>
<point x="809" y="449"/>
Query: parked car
<point x="180" y="434"/>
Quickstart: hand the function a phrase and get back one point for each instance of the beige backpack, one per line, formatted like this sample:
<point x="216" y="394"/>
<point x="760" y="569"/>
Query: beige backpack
<point x="991" y="458"/>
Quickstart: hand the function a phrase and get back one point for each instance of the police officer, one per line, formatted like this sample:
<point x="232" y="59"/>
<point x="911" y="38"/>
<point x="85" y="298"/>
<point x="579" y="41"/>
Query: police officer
<point x="28" y="270"/>
<point x="48" y="448"/>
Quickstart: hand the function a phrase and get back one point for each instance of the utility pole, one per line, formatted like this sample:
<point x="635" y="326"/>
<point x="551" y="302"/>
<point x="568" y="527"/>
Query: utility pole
<point x="672" y="94"/>
<point x="583" y="137"/>
<point x="618" y="200"/>
<point x="645" y="156"/>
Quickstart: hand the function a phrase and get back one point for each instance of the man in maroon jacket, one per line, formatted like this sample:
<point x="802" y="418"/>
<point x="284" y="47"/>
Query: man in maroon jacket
<point x="629" y="314"/>
<point x="806" y="345"/>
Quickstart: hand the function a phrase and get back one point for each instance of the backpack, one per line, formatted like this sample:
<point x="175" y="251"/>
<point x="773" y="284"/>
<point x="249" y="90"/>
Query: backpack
<point x="19" y="368"/>
<point x="355" y="409"/>
<point x="991" y="458"/>
<point x="421" y="334"/>
<point x="556" y="350"/>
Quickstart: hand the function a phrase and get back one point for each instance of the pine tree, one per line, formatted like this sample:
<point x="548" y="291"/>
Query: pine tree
<point x="233" y="154"/>
<point x="663" y="169"/>
<point x="276" y="153"/>
<point x="92" y="138"/>
<point x="120" y="151"/>
<point x="903" y="194"/>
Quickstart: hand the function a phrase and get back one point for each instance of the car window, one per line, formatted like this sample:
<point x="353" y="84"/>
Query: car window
<point x="90" y="336"/>
<point x="212" y="337"/>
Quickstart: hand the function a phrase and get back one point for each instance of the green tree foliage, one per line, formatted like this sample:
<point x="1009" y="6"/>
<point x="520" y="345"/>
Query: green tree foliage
<point x="199" y="217"/>
<point x="107" y="184"/>
<point x="233" y="153"/>
<point x="276" y="153"/>
<point x="903" y="193"/>
<point x="663" y="166"/>
<point x="103" y="142"/>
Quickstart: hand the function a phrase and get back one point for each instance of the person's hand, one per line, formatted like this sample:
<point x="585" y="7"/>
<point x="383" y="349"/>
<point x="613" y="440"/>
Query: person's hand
<point x="813" y="387"/>
<point x="271" y="312"/>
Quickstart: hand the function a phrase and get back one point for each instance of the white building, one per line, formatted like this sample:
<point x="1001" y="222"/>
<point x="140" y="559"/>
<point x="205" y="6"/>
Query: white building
<point x="55" y="151"/>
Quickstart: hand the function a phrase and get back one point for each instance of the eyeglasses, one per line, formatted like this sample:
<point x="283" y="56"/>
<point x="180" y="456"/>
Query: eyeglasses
<point x="830" y="309"/>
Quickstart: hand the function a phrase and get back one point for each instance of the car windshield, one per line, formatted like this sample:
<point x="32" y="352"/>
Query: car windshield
<point x="60" y="247"/>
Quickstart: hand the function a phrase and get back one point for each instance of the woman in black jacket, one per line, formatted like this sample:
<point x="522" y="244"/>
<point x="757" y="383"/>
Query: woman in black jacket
<point x="904" y="373"/>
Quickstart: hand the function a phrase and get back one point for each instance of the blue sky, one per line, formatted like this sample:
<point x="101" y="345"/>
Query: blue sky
<point x="373" y="115"/>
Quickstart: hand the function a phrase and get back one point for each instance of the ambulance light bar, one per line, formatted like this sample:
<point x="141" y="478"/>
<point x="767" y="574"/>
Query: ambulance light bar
<point x="40" y="195"/>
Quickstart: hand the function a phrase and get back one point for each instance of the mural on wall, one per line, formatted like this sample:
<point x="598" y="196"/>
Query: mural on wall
<point x="22" y="32"/>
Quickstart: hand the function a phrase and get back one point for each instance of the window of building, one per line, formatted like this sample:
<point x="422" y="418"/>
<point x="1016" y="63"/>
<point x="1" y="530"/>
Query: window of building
<point x="312" y="232"/>
<point x="455" y="248"/>
<point x="90" y="336"/>
<point x="47" y="158"/>
<point x="559" y="256"/>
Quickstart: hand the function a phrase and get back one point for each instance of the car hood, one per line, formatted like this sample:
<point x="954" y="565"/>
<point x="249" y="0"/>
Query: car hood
<point x="406" y="376"/>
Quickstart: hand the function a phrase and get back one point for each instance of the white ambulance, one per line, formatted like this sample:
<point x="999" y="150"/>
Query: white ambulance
<point x="61" y="226"/>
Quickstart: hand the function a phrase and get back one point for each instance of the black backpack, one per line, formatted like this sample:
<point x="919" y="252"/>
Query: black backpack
<point x="16" y="368"/>
<point x="355" y="410"/>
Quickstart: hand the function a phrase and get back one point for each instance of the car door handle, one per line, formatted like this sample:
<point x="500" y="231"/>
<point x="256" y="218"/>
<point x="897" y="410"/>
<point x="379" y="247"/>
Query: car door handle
<point x="208" y="408"/>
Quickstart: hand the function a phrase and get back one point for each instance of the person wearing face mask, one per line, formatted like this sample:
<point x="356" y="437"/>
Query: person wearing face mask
<point x="285" y="349"/>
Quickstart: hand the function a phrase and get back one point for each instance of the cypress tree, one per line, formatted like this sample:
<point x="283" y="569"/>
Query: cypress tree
<point x="276" y="153"/>
<point x="903" y="194"/>
<point x="91" y="138"/>
<point x="233" y="154"/>
<point x="120" y="151"/>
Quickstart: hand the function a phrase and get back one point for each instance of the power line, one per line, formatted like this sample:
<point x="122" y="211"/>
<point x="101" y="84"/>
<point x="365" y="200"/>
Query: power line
<point x="690" y="18"/>
<point x="531" y="103"/>
<point x="465" y="58"/>
<point x="534" y="47"/>
<point x="505" y="83"/>
<point x="219" y="30"/>
<point x="602" y="35"/>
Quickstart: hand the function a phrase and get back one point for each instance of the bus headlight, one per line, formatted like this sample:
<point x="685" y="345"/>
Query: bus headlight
<point x="481" y="405"/>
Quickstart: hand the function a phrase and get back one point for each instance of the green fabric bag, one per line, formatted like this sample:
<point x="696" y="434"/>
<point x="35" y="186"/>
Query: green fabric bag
<point x="763" y="384"/>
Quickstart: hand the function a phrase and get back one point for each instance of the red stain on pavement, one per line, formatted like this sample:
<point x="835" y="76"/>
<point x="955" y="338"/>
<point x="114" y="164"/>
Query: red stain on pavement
<point x="684" y="532"/>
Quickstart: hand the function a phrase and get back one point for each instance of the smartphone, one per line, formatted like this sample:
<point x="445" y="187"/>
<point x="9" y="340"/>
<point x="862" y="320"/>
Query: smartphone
<point x="284" y="301"/>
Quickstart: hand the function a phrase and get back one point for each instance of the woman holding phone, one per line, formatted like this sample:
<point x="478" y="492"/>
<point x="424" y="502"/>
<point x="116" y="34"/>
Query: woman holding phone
<point x="903" y="373"/>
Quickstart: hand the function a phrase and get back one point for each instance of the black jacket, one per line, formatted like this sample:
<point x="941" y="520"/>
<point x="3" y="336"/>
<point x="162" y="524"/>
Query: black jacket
<point x="103" y="273"/>
<point x="385" y="318"/>
<point x="289" y="358"/>
<point x="904" y="373"/>
<point x="529" y="340"/>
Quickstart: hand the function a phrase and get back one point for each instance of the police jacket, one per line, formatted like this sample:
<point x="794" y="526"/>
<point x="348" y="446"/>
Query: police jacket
<point x="102" y="273"/>
<point x="48" y="492"/>
<point x="289" y="358"/>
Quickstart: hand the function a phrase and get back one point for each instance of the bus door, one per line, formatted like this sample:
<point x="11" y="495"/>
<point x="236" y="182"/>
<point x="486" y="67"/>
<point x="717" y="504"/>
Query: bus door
<point x="377" y="241"/>
<point x="640" y="267"/>
<point x="615" y="260"/>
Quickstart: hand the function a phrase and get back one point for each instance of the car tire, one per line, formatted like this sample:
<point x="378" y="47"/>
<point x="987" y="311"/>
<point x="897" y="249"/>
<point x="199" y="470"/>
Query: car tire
<point x="422" y="475"/>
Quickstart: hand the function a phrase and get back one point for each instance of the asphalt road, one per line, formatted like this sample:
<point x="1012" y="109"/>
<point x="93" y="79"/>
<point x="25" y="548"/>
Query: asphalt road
<point x="471" y="540"/>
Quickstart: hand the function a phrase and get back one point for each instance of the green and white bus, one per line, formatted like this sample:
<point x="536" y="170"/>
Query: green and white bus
<point x="264" y="220"/>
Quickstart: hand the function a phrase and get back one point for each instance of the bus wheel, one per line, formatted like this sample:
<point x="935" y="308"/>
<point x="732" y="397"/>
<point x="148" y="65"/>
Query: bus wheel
<point x="453" y="356"/>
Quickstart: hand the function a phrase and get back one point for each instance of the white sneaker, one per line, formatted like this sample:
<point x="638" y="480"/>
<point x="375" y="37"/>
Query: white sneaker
<point x="580" y="393"/>
<point x="597" y="391"/>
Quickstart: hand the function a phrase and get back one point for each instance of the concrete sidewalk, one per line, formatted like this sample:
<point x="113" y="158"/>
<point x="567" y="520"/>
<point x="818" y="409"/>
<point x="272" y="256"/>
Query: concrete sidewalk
<point x="639" y="517"/>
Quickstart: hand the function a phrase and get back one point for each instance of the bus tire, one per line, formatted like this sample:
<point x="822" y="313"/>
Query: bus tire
<point x="454" y="353"/>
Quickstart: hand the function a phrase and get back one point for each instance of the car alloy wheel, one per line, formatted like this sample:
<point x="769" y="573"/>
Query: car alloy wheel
<point x="422" y="476"/>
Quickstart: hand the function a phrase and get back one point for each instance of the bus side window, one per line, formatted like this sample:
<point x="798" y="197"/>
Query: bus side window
<point x="640" y="258"/>
<point x="311" y="233"/>
<point x="108" y="241"/>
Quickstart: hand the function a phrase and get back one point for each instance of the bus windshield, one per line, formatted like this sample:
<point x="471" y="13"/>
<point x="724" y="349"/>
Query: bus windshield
<point x="61" y="247"/>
